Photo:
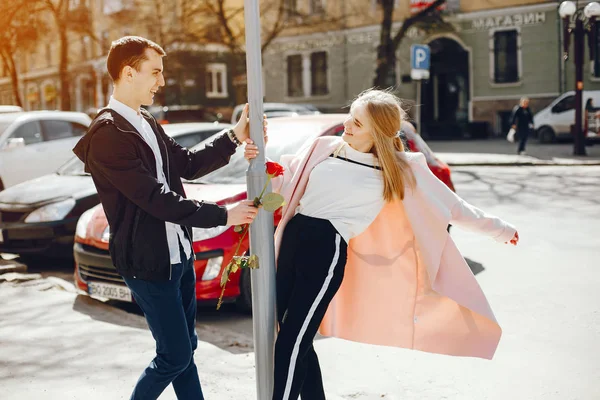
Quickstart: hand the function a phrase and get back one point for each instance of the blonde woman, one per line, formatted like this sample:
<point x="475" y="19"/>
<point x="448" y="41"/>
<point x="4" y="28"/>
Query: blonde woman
<point x="363" y="235"/>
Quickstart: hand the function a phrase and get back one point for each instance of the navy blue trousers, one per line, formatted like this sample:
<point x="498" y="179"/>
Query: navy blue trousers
<point x="170" y="310"/>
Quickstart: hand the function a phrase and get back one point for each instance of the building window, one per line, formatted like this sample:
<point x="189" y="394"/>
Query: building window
<point x="294" y="72"/>
<point x="308" y="74"/>
<point x="318" y="73"/>
<point x="505" y="52"/>
<point x="86" y="48"/>
<point x="105" y="42"/>
<point x="291" y="8"/>
<point x="49" y="54"/>
<point x="216" y="81"/>
<point x="597" y="53"/>
<point x="317" y="6"/>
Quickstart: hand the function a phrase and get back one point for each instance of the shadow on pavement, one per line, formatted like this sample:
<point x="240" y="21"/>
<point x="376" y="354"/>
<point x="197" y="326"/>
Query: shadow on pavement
<point x="475" y="266"/>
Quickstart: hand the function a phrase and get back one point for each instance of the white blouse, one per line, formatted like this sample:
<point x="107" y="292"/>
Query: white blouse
<point x="347" y="194"/>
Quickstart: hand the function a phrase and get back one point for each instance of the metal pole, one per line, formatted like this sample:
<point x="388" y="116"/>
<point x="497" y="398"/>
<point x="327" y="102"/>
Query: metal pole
<point x="579" y="148"/>
<point x="261" y="231"/>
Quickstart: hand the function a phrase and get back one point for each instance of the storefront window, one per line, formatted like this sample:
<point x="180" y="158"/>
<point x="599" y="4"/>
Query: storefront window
<point x="506" y="58"/>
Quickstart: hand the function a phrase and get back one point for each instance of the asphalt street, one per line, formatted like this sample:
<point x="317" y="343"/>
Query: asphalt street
<point x="59" y="345"/>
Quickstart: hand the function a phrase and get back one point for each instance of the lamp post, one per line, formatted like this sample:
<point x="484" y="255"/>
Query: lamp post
<point x="584" y="21"/>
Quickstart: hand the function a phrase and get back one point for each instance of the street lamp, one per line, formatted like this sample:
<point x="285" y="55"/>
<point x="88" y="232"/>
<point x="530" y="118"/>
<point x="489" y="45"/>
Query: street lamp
<point x="585" y="24"/>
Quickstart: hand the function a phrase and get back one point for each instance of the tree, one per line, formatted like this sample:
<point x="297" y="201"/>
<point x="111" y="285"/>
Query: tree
<point x="427" y="18"/>
<point x="21" y="28"/>
<point x="67" y="18"/>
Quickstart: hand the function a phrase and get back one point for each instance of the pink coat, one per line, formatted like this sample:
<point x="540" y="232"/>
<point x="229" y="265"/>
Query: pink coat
<point x="406" y="283"/>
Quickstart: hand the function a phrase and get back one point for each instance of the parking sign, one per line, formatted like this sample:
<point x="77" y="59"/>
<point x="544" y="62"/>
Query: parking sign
<point x="420" y="60"/>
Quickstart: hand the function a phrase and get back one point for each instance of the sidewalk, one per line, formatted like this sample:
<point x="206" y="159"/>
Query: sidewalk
<point x="498" y="151"/>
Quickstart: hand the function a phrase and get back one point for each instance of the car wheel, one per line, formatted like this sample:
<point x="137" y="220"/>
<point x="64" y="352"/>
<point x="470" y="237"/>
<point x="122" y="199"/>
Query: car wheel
<point x="244" y="301"/>
<point x="546" y="135"/>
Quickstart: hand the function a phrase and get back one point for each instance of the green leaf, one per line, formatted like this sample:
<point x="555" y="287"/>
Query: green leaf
<point x="253" y="261"/>
<point x="272" y="201"/>
<point x="225" y="275"/>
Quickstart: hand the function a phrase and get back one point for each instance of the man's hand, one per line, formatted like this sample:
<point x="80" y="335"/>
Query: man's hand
<point x="242" y="128"/>
<point x="243" y="213"/>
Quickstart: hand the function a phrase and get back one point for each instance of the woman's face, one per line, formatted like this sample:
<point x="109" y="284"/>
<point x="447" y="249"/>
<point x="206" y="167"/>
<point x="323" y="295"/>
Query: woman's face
<point x="357" y="130"/>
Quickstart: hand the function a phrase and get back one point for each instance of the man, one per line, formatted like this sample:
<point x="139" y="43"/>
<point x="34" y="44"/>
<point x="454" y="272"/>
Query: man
<point x="522" y="123"/>
<point x="137" y="170"/>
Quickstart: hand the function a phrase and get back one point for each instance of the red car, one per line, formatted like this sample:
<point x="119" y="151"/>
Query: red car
<point x="214" y="247"/>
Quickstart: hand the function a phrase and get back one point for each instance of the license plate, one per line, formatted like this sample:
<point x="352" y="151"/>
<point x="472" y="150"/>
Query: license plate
<point x="115" y="292"/>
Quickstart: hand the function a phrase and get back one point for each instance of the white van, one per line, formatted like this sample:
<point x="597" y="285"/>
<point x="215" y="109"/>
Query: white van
<point x="554" y="122"/>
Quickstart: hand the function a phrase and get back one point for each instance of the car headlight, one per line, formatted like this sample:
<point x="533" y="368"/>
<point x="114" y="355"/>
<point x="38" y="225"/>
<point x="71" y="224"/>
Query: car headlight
<point x="106" y="234"/>
<point x="83" y="222"/>
<point x="199" y="234"/>
<point x="213" y="267"/>
<point x="51" y="212"/>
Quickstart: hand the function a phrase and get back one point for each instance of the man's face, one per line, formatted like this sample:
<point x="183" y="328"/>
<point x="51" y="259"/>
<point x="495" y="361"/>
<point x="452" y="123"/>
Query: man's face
<point x="149" y="78"/>
<point x="525" y="103"/>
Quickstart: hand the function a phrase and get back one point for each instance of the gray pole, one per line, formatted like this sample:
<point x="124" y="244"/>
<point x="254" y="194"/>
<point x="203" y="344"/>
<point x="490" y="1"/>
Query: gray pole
<point x="261" y="231"/>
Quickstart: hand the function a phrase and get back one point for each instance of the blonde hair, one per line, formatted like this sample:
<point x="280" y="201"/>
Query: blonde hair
<point x="385" y="115"/>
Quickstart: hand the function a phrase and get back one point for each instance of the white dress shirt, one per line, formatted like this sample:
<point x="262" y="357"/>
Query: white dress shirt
<point x="175" y="233"/>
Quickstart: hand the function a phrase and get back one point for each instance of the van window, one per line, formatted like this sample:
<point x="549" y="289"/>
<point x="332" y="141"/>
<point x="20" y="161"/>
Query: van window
<point x="30" y="132"/>
<point x="566" y="104"/>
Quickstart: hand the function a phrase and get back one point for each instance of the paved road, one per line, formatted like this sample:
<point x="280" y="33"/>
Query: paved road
<point x="544" y="293"/>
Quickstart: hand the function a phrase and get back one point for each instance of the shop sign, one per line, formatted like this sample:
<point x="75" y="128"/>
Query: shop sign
<point x="505" y="21"/>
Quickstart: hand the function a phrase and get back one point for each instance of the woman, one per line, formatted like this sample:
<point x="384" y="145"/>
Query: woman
<point x="362" y="211"/>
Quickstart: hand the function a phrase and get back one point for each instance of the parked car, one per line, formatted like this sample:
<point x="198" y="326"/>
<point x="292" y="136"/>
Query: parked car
<point x="36" y="143"/>
<point x="214" y="247"/>
<point x="40" y="216"/>
<point x="10" y="109"/>
<point x="184" y="113"/>
<point x="554" y="122"/>
<point x="274" y="110"/>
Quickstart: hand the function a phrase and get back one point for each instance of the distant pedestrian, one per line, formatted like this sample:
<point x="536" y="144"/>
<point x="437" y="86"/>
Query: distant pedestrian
<point x="591" y="117"/>
<point x="522" y="122"/>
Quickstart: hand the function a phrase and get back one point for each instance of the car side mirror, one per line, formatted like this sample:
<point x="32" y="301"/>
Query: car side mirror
<point x="14" y="143"/>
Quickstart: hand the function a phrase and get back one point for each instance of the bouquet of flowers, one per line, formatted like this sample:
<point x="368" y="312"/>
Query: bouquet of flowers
<point x="270" y="202"/>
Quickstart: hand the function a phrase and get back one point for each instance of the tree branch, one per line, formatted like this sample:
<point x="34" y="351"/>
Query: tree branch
<point x="411" y="20"/>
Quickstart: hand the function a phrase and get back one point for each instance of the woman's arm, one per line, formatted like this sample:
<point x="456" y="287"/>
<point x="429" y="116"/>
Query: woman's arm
<point x="463" y="214"/>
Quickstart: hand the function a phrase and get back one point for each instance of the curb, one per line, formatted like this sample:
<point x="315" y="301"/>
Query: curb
<point x="521" y="164"/>
<point x="7" y="266"/>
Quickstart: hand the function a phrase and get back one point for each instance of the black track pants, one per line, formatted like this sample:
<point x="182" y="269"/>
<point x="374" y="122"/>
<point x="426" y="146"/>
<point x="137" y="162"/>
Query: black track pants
<point x="310" y="269"/>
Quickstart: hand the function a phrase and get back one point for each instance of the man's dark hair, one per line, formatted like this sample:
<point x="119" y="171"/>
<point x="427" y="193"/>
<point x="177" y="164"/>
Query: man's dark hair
<point x="129" y="51"/>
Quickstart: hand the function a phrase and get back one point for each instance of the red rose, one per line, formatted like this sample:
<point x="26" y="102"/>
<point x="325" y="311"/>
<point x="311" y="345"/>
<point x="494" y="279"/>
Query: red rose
<point x="274" y="169"/>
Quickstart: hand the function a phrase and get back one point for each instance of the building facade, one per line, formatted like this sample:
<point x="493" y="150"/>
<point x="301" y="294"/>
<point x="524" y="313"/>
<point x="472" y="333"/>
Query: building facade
<point x="487" y="56"/>
<point x="195" y="74"/>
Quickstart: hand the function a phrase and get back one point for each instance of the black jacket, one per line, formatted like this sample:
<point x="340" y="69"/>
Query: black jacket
<point x="136" y="204"/>
<point x="522" y="118"/>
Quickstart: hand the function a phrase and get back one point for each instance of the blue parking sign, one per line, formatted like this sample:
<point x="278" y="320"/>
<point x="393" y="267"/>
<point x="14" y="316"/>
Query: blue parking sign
<point x="420" y="56"/>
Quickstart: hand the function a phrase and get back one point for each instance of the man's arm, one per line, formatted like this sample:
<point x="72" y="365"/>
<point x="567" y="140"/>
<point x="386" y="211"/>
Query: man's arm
<point x="193" y="165"/>
<point x="112" y="156"/>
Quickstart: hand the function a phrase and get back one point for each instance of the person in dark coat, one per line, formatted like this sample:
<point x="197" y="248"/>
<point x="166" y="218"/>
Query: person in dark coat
<point x="522" y="123"/>
<point x="137" y="170"/>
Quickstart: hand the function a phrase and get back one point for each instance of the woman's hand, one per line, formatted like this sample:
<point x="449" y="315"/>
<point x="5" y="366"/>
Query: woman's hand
<point x="514" y="240"/>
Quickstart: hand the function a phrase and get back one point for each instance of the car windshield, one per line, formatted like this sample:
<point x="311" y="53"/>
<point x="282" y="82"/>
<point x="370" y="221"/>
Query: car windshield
<point x="4" y="124"/>
<point x="73" y="167"/>
<point x="284" y="138"/>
